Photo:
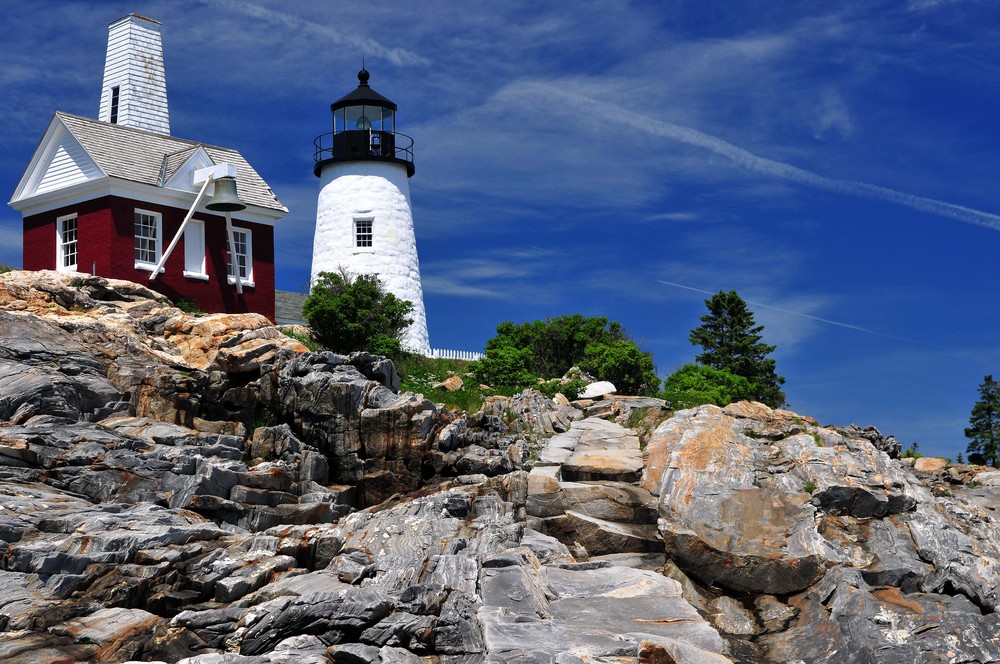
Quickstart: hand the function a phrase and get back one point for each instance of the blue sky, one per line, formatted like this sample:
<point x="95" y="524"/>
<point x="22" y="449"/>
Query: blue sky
<point x="835" y="163"/>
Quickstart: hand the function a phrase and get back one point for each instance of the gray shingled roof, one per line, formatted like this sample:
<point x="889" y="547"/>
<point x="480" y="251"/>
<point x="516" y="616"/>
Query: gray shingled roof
<point x="288" y="307"/>
<point x="139" y="156"/>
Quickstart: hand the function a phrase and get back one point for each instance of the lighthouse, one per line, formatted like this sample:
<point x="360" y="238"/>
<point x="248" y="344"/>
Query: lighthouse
<point x="364" y="220"/>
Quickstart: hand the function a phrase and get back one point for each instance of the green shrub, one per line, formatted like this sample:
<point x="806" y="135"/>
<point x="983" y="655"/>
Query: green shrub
<point x="570" y="389"/>
<point x="348" y="313"/>
<point x="505" y="367"/>
<point x="521" y="354"/>
<point x="188" y="306"/>
<point x="556" y="344"/>
<point x="809" y="487"/>
<point x="695" y="384"/>
<point x="385" y="345"/>
<point x="622" y="363"/>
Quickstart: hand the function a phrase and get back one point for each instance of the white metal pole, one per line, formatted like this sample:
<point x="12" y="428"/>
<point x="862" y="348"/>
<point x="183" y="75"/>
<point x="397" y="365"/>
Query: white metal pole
<point x="232" y="252"/>
<point x="180" y="231"/>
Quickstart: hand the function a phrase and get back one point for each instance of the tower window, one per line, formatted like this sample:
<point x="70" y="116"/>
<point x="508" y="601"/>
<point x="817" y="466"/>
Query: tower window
<point x="148" y="229"/>
<point x="363" y="233"/>
<point x="66" y="243"/>
<point x="243" y="252"/>
<point x="114" y="105"/>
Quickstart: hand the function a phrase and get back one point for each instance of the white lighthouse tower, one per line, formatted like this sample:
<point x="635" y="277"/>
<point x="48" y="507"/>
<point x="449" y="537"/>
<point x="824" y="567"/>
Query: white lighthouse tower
<point x="364" y="221"/>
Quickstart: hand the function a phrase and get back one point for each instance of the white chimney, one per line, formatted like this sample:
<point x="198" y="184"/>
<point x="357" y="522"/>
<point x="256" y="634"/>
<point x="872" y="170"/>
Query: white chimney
<point x="135" y="88"/>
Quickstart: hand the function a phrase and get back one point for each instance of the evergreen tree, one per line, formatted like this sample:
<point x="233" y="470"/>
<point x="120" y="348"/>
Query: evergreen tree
<point x="731" y="341"/>
<point x="984" y="430"/>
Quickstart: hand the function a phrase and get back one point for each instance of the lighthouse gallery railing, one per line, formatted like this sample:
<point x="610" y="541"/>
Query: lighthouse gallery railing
<point x="361" y="144"/>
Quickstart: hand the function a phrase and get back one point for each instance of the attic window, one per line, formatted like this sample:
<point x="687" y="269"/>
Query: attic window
<point x="114" y="105"/>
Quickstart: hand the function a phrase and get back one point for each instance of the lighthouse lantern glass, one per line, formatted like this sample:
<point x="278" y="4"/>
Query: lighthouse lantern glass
<point x="362" y="118"/>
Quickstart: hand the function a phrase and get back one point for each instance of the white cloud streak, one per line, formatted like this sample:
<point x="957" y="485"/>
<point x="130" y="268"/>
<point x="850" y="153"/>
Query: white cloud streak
<point x="749" y="161"/>
<point x="857" y="328"/>
<point x="364" y="45"/>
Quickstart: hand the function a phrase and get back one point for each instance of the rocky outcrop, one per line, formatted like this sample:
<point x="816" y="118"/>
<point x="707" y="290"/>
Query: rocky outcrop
<point x="202" y="489"/>
<point x="769" y="503"/>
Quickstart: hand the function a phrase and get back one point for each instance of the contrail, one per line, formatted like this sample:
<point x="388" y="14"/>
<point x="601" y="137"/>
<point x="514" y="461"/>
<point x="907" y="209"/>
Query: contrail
<point x="363" y="45"/>
<point x="800" y="314"/>
<point x="758" y="164"/>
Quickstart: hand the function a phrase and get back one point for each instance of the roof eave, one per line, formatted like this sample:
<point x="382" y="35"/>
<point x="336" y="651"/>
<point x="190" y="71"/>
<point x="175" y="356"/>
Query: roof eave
<point x="109" y="186"/>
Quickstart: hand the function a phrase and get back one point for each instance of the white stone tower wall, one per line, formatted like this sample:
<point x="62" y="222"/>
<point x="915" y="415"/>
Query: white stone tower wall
<point x="379" y="191"/>
<point x="134" y="64"/>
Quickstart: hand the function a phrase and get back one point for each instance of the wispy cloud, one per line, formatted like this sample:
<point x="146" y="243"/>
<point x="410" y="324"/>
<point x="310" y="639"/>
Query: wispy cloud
<point x="511" y="275"/>
<point x="675" y="216"/>
<point x="833" y="117"/>
<point x="457" y="286"/>
<point x="363" y="45"/>
<point x="748" y="160"/>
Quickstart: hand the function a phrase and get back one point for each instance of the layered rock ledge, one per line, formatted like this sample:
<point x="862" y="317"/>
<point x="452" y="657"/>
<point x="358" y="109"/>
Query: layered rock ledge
<point x="202" y="489"/>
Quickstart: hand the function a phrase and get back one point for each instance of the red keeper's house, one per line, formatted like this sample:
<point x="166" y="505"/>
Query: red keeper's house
<point x="107" y="196"/>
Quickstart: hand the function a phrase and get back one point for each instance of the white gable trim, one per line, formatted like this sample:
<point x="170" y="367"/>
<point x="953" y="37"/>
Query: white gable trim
<point x="183" y="178"/>
<point x="60" y="161"/>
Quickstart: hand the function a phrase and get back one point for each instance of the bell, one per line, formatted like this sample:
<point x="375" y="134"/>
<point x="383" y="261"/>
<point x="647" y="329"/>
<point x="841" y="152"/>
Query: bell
<point x="225" y="198"/>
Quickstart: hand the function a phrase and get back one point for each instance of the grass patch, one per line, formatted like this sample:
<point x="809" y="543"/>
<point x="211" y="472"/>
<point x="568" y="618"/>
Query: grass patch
<point x="636" y="416"/>
<point x="263" y="418"/>
<point x="467" y="399"/>
<point x="756" y="435"/>
<point x="419" y="374"/>
<point x="809" y="487"/>
<point x="188" y="306"/>
<point x="303" y="339"/>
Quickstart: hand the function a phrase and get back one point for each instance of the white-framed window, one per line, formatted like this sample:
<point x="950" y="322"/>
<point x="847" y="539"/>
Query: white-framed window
<point x="148" y="234"/>
<point x="364" y="234"/>
<point x="67" y="235"/>
<point x="194" y="250"/>
<point x="243" y="251"/>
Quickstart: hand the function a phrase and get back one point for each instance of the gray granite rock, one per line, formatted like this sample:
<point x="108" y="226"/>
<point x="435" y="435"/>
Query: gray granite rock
<point x="142" y="518"/>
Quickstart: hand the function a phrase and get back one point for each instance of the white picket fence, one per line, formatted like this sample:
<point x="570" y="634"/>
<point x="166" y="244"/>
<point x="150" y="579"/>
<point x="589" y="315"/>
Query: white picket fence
<point x="442" y="354"/>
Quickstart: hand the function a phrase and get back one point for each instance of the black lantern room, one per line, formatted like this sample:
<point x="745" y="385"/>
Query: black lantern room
<point x="364" y="129"/>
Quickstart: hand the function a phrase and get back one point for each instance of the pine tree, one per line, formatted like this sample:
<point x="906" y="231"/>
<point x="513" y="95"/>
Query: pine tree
<point x="984" y="430"/>
<point x="731" y="341"/>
